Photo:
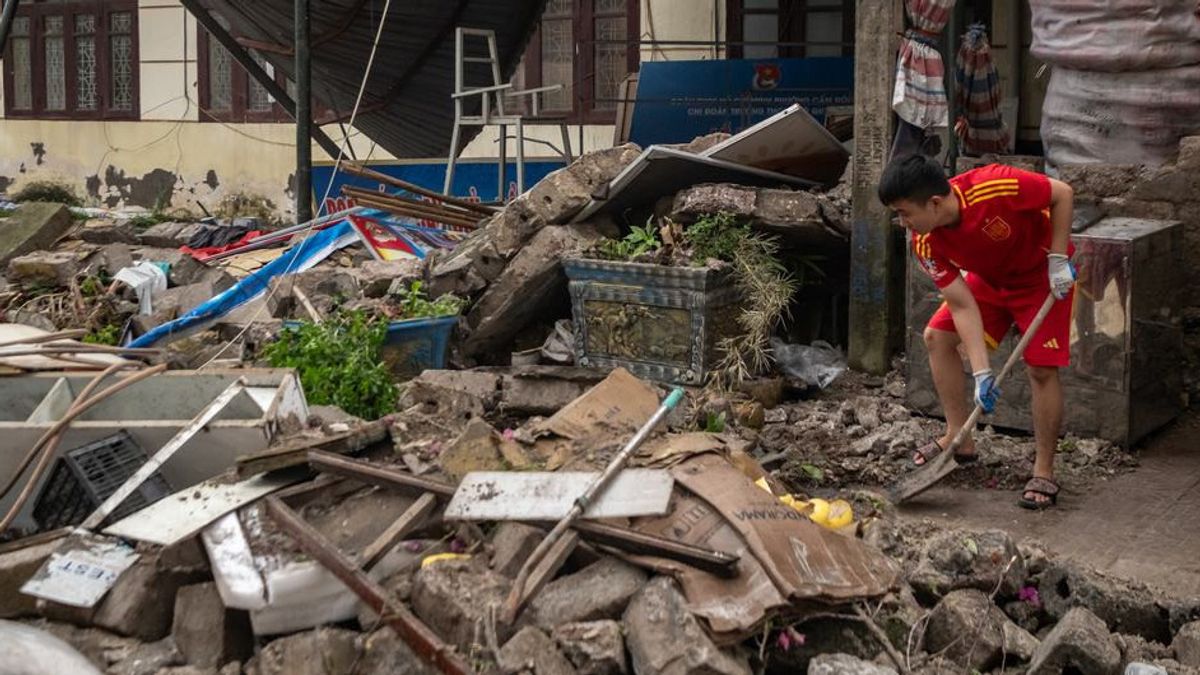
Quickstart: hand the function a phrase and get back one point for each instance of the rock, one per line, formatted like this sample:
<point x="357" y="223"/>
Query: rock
<point x="477" y="448"/>
<point x="384" y="653"/>
<point x="512" y="544"/>
<point x="599" y="591"/>
<point x="1019" y="642"/>
<point x="1187" y="645"/>
<point x="823" y="636"/>
<point x="99" y="231"/>
<point x="183" y="269"/>
<point x="664" y="638"/>
<point x="1023" y="614"/>
<point x="530" y="651"/>
<point x="1081" y="641"/>
<point x="142" y="602"/>
<point x="47" y="268"/>
<point x="789" y="208"/>
<point x="544" y="390"/>
<point x="593" y="647"/>
<point x="207" y="634"/>
<point x="323" y="651"/>
<point x="1126" y="607"/>
<point x="844" y="664"/>
<point x="147" y="658"/>
<point x="169" y="234"/>
<point x="957" y="559"/>
<point x="375" y="277"/>
<point x="115" y="257"/>
<point x="700" y="144"/>
<point x="563" y="193"/>
<point x="969" y="628"/>
<point x="512" y="227"/>
<point x="458" y="393"/>
<point x="473" y="264"/>
<point x="701" y="200"/>
<point x="1137" y="648"/>
<point x="898" y="613"/>
<point x="1100" y="180"/>
<point x="187" y="670"/>
<point x="531" y="285"/>
<point x="16" y="566"/>
<point x="325" y="288"/>
<point x="453" y="596"/>
<point x="33" y="227"/>
<point x="182" y="299"/>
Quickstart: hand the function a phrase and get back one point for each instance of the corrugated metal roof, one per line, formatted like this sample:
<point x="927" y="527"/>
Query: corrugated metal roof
<point x="407" y="108"/>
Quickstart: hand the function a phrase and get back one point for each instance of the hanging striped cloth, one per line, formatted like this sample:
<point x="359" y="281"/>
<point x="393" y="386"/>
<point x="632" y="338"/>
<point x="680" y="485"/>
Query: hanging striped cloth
<point x="920" y="94"/>
<point x="979" y="126"/>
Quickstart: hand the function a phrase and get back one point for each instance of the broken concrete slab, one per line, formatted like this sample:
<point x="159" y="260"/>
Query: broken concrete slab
<point x="148" y="658"/>
<point x="968" y="629"/>
<point x="169" y="234"/>
<point x="182" y="299"/>
<point x="100" y="231"/>
<point x="512" y="544"/>
<point x="1079" y="641"/>
<point x="564" y="193"/>
<point x="663" y="636"/>
<point x="1019" y="642"/>
<point x="142" y="602"/>
<point x="544" y="390"/>
<point x="33" y="227"/>
<point x="511" y="228"/>
<point x="1186" y="645"/>
<point x="702" y="200"/>
<point x="532" y="282"/>
<point x="18" y="562"/>
<point x="384" y="653"/>
<point x="956" y="559"/>
<point x="323" y="651"/>
<point x="182" y="268"/>
<point x="593" y="647"/>
<point x="453" y="392"/>
<point x="1124" y="606"/>
<point x="844" y="664"/>
<point x="477" y="448"/>
<point x="454" y="598"/>
<point x="531" y="651"/>
<point x="599" y="591"/>
<point x="48" y="268"/>
<point x="375" y="277"/>
<point x="206" y="633"/>
<point x="115" y="257"/>
<point x="323" y="286"/>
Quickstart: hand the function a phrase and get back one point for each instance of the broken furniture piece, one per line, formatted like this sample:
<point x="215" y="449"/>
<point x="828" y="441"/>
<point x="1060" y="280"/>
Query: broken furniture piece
<point x="492" y="97"/>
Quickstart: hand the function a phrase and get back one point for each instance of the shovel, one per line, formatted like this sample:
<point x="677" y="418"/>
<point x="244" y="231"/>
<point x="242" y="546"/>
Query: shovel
<point x="929" y="473"/>
<point x="512" y="604"/>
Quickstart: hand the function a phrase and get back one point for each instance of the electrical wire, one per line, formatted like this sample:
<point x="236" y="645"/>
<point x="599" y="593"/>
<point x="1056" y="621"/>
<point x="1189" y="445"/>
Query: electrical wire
<point x="337" y="162"/>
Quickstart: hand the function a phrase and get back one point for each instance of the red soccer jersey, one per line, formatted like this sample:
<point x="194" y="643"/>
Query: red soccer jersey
<point x="1003" y="233"/>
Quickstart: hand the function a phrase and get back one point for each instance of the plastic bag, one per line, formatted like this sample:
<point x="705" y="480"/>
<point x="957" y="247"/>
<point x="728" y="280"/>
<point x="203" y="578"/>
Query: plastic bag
<point x="817" y="364"/>
<point x="146" y="279"/>
<point x="560" y="344"/>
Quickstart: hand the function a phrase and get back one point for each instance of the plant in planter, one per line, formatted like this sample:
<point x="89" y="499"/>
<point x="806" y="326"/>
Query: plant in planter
<point x="339" y="362"/>
<point x="419" y="333"/>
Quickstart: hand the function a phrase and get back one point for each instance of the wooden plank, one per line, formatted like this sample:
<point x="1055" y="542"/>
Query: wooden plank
<point x="427" y="645"/>
<point x="550" y="495"/>
<point x="295" y="452"/>
<point x="412" y="518"/>
<point x="622" y="538"/>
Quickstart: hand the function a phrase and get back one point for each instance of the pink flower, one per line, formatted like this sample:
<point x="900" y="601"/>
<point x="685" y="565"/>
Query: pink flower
<point x="1029" y="595"/>
<point x="508" y="434"/>
<point x="788" y="638"/>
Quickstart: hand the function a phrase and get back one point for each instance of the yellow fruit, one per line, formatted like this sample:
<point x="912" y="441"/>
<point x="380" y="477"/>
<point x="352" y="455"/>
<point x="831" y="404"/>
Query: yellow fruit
<point x="820" y="511"/>
<point x="840" y="514"/>
<point x="440" y="557"/>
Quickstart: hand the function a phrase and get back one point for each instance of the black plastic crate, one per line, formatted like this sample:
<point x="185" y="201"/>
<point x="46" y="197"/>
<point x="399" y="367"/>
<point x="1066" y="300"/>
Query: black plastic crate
<point x="84" y="477"/>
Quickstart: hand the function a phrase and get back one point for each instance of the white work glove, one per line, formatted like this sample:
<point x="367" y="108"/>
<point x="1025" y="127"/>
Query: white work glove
<point x="1062" y="275"/>
<point x="986" y="391"/>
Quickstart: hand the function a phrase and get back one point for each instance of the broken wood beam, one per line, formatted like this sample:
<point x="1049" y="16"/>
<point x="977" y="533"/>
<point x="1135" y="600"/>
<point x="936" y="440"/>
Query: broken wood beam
<point x="451" y="216"/>
<point x="427" y="645"/>
<point x="548" y="566"/>
<point x="294" y="453"/>
<point x="719" y="563"/>
<point x="412" y="518"/>
<point x="363" y="172"/>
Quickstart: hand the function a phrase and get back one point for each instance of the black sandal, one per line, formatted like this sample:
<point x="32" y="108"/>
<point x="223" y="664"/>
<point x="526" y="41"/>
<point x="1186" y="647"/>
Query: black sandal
<point x="1039" y="486"/>
<point x="932" y="449"/>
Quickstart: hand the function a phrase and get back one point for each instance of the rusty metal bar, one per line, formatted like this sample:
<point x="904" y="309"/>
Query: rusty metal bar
<point x="424" y="642"/>
<point x="718" y="563"/>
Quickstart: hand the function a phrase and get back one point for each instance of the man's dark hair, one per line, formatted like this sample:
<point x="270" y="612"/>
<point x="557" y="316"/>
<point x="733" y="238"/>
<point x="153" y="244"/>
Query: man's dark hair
<point x="912" y="177"/>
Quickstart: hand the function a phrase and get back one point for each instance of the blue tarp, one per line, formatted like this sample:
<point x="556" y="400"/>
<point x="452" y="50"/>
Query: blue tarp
<point x="314" y="249"/>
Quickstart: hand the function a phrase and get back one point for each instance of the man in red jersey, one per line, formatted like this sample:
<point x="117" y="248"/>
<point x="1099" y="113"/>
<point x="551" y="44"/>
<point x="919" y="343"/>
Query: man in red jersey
<point x="1009" y="231"/>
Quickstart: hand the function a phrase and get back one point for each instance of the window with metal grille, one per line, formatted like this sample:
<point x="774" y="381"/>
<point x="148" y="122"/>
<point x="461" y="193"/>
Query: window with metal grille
<point x="768" y="29"/>
<point x="72" y="59"/>
<point x="589" y="47"/>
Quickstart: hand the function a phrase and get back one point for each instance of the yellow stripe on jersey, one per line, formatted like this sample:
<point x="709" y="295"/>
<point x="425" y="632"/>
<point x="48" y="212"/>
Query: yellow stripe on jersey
<point x="987" y="184"/>
<point x="999" y="192"/>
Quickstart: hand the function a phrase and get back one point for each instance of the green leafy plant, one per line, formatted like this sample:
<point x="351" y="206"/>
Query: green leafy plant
<point x="107" y="334"/>
<point x="147" y="220"/>
<point x="338" y="363"/>
<point x="47" y="191"/>
<point x="812" y="471"/>
<point x="414" y="304"/>
<point x="714" y="423"/>
<point x="639" y="241"/>
<point x="717" y="236"/>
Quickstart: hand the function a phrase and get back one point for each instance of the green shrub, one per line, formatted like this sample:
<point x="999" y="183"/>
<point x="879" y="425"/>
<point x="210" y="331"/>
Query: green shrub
<point x="47" y="191"/>
<point x="414" y="304"/>
<point x="339" y="364"/>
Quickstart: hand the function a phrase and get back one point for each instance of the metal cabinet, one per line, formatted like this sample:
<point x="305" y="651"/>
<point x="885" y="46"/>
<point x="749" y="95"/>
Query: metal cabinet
<point x="1125" y="379"/>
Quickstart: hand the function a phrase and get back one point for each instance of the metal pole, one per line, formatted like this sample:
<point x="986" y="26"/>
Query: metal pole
<point x="252" y="67"/>
<point x="6" y="20"/>
<point x="303" y="115"/>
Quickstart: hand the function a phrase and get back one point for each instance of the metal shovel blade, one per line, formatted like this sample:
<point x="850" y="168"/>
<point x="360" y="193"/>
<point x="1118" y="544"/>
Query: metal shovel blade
<point x="924" y="477"/>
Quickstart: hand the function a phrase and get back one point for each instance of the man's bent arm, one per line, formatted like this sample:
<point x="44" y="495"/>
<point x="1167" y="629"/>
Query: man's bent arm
<point x="967" y="322"/>
<point x="1062" y="212"/>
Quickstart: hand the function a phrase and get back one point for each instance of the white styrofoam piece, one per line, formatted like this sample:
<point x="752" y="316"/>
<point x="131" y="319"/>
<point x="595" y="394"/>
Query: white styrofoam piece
<point x="81" y="571"/>
<point x="183" y="514"/>
<point x="239" y="582"/>
<point x="549" y="495"/>
<point x="263" y="396"/>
